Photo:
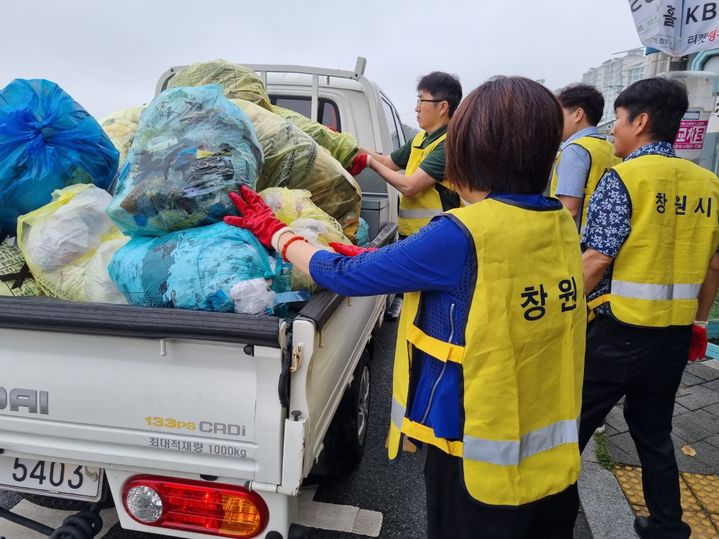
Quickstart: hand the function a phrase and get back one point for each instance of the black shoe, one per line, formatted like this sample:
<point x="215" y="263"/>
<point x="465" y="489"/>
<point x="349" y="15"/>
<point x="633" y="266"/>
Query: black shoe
<point x="642" y="526"/>
<point x="645" y="530"/>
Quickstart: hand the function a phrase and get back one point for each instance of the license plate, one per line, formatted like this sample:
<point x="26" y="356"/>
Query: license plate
<point x="50" y="478"/>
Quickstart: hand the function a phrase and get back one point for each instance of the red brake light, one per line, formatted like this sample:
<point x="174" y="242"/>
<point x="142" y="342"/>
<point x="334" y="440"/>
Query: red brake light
<point x="183" y="504"/>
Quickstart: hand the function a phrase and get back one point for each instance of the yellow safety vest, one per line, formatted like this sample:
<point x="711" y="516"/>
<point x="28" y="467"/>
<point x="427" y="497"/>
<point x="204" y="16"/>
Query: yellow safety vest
<point x="660" y="268"/>
<point x="522" y="363"/>
<point x="416" y="211"/>
<point x="601" y="158"/>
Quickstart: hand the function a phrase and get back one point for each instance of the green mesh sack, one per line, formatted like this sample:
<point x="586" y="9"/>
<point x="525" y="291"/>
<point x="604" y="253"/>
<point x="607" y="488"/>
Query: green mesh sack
<point x="295" y="161"/>
<point x="342" y="146"/>
<point x="238" y="81"/>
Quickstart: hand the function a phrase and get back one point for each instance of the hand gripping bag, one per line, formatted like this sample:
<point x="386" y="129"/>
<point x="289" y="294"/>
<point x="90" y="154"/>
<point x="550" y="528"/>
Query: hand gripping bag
<point x="295" y="208"/>
<point x="47" y="142"/>
<point x="191" y="147"/>
<point x="295" y="161"/>
<point x="193" y="269"/>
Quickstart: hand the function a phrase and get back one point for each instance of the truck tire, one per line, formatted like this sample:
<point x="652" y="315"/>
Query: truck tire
<point x="345" y="440"/>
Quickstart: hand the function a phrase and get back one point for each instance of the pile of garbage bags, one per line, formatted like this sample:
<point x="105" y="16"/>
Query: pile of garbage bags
<point x="150" y="231"/>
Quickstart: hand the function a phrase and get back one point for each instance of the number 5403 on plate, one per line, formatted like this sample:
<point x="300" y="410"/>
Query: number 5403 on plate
<point x="50" y="478"/>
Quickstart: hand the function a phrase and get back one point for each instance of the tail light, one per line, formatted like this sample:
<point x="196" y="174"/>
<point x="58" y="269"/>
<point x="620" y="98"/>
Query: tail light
<point x="196" y="506"/>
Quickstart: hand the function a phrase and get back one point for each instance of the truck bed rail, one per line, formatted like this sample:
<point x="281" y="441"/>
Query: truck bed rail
<point x="47" y="314"/>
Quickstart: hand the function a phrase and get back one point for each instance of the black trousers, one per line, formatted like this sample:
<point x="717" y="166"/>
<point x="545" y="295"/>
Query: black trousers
<point x="644" y="365"/>
<point x="453" y="514"/>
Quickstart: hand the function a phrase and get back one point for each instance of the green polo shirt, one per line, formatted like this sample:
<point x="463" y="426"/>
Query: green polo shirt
<point x="433" y="165"/>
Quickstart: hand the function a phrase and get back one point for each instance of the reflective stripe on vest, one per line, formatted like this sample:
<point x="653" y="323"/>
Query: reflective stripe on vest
<point x="601" y="158"/>
<point x="659" y="270"/>
<point x="513" y="453"/>
<point x="517" y="423"/>
<point x="655" y="291"/>
<point x="416" y="211"/>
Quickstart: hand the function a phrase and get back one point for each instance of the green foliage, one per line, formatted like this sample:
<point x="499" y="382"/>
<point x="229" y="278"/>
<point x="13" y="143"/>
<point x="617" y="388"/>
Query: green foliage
<point x="602" y="452"/>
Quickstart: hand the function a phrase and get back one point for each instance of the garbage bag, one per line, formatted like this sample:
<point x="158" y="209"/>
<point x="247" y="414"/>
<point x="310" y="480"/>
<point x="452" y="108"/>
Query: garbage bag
<point x="120" y="127"/>
<point x="362" y="238"/>
<point x="60" y="240"/>
<point x="342" y="146"/>
<point x="295" y="161"/>
<point x="295" y="208"/>
<point x="240" y="82"/>
<point x="47" y="141"/>
<point x="191" y="147"/>
<point x="194" y="269"/>
<point x="15" y="276"/>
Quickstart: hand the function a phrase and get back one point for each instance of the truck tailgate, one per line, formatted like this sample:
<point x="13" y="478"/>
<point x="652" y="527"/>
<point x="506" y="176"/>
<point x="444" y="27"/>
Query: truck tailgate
<point x="140" y="400"/>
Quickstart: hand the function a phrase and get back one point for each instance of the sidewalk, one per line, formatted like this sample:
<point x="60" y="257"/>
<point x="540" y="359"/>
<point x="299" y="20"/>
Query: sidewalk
<point x="612" y="499"/>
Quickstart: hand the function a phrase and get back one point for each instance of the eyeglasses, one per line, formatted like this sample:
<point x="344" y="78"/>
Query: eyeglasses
<point x="420" y="101"/>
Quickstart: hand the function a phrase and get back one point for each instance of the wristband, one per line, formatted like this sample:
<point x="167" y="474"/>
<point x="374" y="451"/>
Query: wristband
<point x="287" y="244"/>
<point x="369" y="160"/>
<point x="701" y="323"/>
<point x="275" y="241"/>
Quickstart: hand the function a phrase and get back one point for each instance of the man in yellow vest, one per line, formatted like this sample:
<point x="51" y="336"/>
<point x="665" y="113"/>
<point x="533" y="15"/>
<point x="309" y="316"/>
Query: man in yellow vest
<point x="650" y="270"/>
<point x="585" y="154"/>
<point x="424" y="190"/>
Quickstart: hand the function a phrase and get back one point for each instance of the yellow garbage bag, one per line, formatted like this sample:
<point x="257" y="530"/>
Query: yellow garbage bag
<point x="60" y="240"/>
<point x="120" y="126"/>
<point x="295" y="208"/>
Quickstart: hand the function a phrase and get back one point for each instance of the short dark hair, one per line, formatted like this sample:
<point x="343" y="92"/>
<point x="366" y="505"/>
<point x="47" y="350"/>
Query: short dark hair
<point x="583" y="96"/>
<point x="664" y="100"/>
<point x="504" y="137"/>
<point x="442" y="86"/>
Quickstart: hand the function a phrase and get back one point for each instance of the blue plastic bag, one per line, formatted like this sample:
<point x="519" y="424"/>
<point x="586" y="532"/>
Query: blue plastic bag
<point x="47" y="142"/>
<point x="194" y="268"/>
<point x="191" y="147"/>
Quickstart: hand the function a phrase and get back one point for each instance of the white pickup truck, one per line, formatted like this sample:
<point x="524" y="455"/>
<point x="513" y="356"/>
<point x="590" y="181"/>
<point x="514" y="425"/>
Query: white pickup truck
<point x="199" y="424"/>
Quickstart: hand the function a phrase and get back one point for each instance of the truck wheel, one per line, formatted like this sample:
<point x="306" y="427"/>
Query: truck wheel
<point x="345" y="440"/>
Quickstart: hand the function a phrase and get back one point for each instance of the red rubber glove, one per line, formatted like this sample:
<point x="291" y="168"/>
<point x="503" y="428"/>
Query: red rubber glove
<point x="698" y="346"/>
<point x="359" y="163"/>
<point x="255" y="216"/>
<point x="350" y="250"/>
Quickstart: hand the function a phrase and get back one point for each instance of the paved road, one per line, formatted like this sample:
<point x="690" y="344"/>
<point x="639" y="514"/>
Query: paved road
<point x="396" y="491"/>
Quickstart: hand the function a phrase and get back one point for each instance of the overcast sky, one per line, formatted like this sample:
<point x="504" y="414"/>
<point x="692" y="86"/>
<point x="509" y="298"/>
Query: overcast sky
<point x="109" y="55"/>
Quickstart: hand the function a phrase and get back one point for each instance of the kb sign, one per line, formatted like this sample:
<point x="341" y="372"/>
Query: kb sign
<point x="676" y="27"/>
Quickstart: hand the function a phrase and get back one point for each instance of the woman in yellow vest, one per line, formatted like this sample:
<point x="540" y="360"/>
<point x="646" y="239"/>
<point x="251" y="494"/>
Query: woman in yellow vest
<point x="488" y="366"/>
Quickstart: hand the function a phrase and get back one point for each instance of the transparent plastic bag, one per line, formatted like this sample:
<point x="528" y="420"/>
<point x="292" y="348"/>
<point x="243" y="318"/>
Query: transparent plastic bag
<point x="193" y="269"/>
<point x="191" y="147"/>
<point x="295" y="208"/>
<point x="60" y="239"/>
<point x="47" y="142"/>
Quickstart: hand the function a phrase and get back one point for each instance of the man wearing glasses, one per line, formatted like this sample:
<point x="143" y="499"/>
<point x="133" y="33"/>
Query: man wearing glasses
<point x="424" y="190"/>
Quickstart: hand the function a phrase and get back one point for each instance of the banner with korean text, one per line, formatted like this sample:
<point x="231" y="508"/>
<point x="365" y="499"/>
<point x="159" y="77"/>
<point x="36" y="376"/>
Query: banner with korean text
<point x="677" y="27"/>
